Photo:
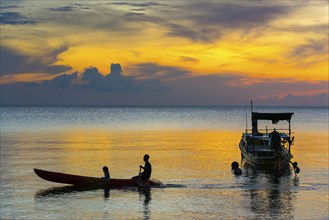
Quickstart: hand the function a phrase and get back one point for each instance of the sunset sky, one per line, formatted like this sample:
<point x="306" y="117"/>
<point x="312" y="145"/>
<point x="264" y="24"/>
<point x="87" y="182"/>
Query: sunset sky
<point x="171" y="52"/>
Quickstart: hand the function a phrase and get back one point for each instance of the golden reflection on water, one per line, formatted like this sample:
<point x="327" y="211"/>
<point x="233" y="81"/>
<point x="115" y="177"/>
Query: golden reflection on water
<point x="311" y="150"/>
<point x="177" y="153"/>
<point x="199" y="158"/>
<point x="173" y="153"/>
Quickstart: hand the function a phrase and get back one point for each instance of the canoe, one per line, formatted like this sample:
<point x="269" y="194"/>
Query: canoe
<point x="95" y="181"/>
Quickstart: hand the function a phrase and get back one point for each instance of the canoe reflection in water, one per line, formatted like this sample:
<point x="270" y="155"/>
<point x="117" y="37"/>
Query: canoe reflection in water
<point x="55" y="191"/>
<point x="59" y="195"/>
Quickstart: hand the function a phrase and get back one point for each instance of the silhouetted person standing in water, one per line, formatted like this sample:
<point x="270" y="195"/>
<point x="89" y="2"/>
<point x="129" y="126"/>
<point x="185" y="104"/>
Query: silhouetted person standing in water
<point x="147" y="168"/>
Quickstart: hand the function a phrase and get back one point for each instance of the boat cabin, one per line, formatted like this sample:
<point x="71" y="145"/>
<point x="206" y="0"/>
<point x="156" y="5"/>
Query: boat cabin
<point x="261" y="141"/>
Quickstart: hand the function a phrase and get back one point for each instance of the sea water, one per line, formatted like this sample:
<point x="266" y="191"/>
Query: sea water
<point x="191" y="150"/>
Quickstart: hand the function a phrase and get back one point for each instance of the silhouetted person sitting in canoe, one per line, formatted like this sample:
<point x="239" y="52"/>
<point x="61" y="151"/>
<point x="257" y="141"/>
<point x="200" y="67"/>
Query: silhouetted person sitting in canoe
<point x="106" y="173"/>
<point x="147" y="169"/>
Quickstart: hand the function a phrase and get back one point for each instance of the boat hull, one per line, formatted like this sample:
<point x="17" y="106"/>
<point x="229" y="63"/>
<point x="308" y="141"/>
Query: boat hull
<point x="278" y="160"/>
<point x="94" y="181"/>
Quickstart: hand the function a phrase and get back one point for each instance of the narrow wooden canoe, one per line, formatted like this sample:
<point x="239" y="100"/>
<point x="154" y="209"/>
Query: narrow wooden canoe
<point x="94" y="181"/>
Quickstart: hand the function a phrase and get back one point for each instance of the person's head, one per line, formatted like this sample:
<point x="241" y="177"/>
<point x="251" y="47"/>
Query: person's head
<point x="105" y="169"/>
<point x="146" y="157"/>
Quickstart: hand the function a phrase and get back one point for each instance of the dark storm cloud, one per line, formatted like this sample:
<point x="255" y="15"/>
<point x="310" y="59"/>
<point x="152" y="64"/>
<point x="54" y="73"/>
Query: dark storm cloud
<point x="202" y="90"/>
<point x="145" y="4"/>
<point x="319" y="29"/>
<point x="63" y="81"/>
<point x="234" y="15"/>
<point x="309" y="53"/>
<point x="311" y="48"/>
<point x="219" y="90"/>
<point x="99" y="16"/>
<point x="13" y="62"/>
<point x="192" y="33"/>
<point x="198" y="21"/>
<point x="94" y="80"/>
<point x="71" y="7"/>
<point x="207" y="21"/>
<point x="14" y="18"/>
<point x="301" y="97"/>
<point x="9" y="7"/>
<point x="134" y="14"/>
<point x="297" y="100"/>
<point x="63" y="9"/>
<point x="155" y="71"/>
<point x="10" y="61"/>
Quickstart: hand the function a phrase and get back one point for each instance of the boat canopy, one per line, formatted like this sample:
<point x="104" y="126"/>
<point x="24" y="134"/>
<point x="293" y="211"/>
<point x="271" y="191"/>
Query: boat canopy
<point x="274" y="117"/>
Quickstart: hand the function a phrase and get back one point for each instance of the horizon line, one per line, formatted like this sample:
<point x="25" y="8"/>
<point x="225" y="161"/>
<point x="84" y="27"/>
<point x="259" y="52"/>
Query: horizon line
<point x="152" y="105"/>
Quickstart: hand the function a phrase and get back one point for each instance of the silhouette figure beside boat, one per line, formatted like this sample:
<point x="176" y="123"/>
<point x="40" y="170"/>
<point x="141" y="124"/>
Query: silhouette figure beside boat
<point x="106" y="173"/>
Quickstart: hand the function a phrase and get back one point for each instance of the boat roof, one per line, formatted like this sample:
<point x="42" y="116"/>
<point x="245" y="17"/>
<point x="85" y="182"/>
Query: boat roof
<point x="274" y="117"/>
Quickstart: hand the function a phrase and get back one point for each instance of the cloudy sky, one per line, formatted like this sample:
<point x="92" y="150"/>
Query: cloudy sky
<point x="171" y="52"/>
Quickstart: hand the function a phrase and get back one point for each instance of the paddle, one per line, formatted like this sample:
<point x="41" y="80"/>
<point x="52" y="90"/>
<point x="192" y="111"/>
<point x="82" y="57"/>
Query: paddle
<point x="139" y="180"/>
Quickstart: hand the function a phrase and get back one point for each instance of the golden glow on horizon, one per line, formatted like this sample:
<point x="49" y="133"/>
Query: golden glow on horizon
<point x="250" y="59"/>
<point x="269" y="54"/>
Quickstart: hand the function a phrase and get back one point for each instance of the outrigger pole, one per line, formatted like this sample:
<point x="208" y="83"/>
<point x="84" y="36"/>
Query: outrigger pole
<point x="246" y="120"/>
<point x="252" y="129"/>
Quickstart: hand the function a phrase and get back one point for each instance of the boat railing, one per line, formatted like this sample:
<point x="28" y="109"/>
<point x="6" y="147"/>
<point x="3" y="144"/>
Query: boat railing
<point x="267" y="131"/>
<point x="257" y="142"/>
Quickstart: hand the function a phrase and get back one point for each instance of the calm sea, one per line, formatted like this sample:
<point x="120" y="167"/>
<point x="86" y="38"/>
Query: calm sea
<point x="191" y="150"/>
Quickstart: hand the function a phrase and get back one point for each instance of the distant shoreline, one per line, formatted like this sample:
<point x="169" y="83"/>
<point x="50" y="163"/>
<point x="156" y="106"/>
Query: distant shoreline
<point x="171" y="106"/>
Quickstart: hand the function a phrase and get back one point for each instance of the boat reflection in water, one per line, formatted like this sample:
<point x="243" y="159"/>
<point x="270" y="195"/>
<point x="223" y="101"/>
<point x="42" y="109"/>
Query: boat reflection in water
<point x="271" y="195"/>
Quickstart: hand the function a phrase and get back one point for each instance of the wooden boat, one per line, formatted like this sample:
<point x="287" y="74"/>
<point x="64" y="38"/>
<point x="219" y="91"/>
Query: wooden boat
<point x="95" y="181"/>
<point x="265" y="148"/>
